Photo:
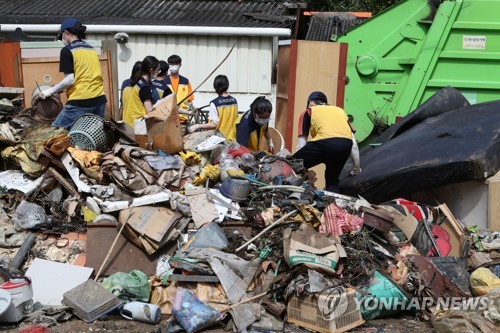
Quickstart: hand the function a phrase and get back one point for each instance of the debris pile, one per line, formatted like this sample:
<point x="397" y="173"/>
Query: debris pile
<point x="205" y="233"/>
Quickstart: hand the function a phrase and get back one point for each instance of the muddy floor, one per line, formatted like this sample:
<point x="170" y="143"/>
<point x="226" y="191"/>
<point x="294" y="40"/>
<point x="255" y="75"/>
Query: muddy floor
<point x="117" y="324"/>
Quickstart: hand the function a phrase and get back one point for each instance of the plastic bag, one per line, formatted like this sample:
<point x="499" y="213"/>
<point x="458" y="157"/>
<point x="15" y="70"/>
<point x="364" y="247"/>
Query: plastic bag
<point x="29" y="215"/>
<point x="210" y="235"/>
<point x="482" y="281"/>
<point x="191" y="313"/>
<point x="382" y="291"/>
<point x="133" y="286"/>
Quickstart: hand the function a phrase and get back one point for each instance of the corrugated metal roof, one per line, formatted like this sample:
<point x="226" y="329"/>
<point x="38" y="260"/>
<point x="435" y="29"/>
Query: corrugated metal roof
<point x="323" y="26"/>
<point x="150" y="12"/>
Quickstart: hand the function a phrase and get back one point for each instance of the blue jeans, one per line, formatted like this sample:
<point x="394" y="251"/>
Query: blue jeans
<point x="70" y="112"/>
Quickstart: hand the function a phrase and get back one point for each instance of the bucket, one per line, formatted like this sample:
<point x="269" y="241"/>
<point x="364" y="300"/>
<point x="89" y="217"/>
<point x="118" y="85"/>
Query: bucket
<point x="46" y="109"/>
<point x="235" y="189"/>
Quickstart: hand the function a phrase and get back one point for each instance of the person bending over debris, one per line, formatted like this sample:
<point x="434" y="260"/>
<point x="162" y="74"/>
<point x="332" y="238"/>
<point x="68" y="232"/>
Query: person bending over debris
<point x="252" y="125"/>
<point x="223" y="111"/>
<point x="83" y="80"/>
<point x="331" y="141"/>
<point x="143" y="94"/>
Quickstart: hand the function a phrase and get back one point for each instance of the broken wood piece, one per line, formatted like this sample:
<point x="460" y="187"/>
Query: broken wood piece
<point x="269" y="227"/>
<point x="246" y="300"/>
<point x="70" y="188"/>
<point x="193" y="278"/>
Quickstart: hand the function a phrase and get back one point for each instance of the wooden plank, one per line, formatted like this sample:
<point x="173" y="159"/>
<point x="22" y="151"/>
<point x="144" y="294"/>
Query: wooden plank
<point x="45" y="71"/>
<point x="494" y="203"/>
<point x="317" y="69"/>
<point x="455" y="230"/>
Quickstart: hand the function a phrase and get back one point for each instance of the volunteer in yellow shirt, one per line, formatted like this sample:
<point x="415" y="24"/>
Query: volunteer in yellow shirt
<point x="139" y="101"/>
<point x="82" y="81"/>
<point x="331" y="140"/>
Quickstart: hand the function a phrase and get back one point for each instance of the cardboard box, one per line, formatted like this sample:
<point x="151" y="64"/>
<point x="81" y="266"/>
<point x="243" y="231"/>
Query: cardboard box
<point x="150" y="227"/>
<point x="308" y="312"/>
<point x="307" y="246"/>
<point x="163" y="128"/>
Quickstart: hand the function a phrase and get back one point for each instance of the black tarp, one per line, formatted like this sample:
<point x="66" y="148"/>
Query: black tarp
<point x="452" y="147"/>
<point x="446" y="99"/>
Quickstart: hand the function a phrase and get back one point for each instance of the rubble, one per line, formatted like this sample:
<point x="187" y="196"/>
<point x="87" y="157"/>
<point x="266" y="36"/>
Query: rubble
<point x="204" y="234"/>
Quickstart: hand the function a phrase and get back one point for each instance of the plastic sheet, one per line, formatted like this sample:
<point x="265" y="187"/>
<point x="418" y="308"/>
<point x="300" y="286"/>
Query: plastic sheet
<point x="191" y="313"/>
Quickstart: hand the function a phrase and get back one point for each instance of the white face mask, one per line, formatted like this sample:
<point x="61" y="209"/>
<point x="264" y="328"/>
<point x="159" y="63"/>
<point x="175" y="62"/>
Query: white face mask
<point x="65" y="42"/>
<point x="174" y="68"/>
<point x="261" y="121"/>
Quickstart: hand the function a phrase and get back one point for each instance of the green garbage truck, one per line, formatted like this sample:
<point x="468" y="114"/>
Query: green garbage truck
<point x="401" y="57"/>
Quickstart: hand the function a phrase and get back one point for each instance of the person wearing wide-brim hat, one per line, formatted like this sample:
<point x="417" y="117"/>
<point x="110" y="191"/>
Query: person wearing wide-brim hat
<point x="83" y="79"/>
<point x="331" y="138"/>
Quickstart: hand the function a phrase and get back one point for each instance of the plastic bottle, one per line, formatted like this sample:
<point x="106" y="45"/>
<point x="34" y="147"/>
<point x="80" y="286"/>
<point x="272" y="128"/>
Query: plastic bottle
<point x="228" y="163"/>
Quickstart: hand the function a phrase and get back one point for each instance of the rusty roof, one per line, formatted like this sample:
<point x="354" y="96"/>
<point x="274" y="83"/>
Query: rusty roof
<point x="151" y="12"/>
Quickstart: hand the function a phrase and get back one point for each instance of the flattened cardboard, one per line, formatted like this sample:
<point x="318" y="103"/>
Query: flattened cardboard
<point x="144" y="223"/>
<point x="407" y="224"/>
<point x="314" y="250"/>
<point x="202" y="210"/>
<point x="151" y="221"/>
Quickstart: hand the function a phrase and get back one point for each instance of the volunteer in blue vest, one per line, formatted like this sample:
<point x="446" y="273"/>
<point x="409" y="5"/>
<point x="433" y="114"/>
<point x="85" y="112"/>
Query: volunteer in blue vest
<point x="331" y="140"/>
<point x="253" y="125"/>
<point x="82" y="80"/>
<point x="129" y="83"/>
<point x="223" y="111"/>
<point x="160" y="83"/>
<point x="143" y="95"/>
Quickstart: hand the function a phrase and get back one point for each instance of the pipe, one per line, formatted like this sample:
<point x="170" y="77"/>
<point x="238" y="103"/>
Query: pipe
<point x="18" y="260"/>
<point x="156" y="29"/>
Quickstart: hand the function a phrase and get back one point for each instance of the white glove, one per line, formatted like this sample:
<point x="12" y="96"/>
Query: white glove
<point x="355" y="171"/>
<point x="46" y="93"/>
<point x="193" y="128"/>
<point x="270" y="144"/>
<point x="301" y="142"/>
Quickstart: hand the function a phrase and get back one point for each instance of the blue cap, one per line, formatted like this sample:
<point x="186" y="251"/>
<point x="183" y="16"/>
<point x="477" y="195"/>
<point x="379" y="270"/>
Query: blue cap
<point x="68" y="24"/>
<point x="317" y="95"/>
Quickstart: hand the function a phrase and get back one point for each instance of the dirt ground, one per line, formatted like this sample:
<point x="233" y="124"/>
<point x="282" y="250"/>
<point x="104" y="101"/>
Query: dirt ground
<point x="117" y="324"/>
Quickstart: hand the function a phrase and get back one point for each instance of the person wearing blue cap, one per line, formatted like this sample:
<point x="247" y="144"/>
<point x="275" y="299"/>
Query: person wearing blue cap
<point x="82" y="81"/>
<point x="332" y="138"/>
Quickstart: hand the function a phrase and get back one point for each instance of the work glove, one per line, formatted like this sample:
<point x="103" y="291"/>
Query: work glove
<point x="355" y="171"/>
<point x="270" y="144"/>
<point x="45" y="93"/>
<point x="301" y="142"/>
<point x="193" y="128"/>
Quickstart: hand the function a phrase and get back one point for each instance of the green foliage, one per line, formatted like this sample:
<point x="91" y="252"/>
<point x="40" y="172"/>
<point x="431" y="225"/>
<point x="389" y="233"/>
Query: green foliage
<point x="374" y="6"/>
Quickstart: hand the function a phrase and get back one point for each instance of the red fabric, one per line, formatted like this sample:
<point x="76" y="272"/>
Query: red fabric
<point x="238" y="152"/>
<point x="337" y="221"/>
